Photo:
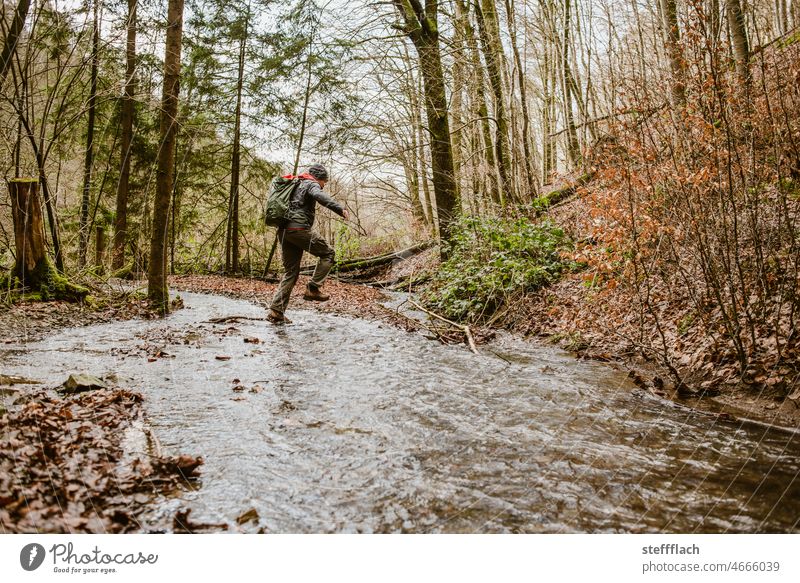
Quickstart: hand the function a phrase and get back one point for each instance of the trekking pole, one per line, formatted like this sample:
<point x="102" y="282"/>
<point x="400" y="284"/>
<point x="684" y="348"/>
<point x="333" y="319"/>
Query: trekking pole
<point x="271" y="255"/>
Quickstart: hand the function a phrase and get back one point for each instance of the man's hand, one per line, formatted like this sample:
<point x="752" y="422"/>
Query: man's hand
<point x="346" y="214"/>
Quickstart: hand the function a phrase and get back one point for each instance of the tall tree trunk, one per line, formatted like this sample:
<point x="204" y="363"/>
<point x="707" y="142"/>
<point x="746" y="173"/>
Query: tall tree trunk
<point x="741" y="44"/>
<point x="52" y="219"/>
<point x="548" y="116"/>
<point x="672" y="40"/>
<point x="491" y="174"/>
<point x="157" y="268"/>
<point x="493" y="51"/>
<point x="573" y="147"/>
<point x="422" y="28"/>
<point x="457" y="104"/>
<point x="18" y="142"/>
<point x="422" y="160"/>
<point x="782" y="16"/>
<point x="713" y="19"/>
<point x="414" y="179"/>
<point x="88" y="161"/>
<point x="121" y="217"/>
<point x="530" y="174"/>
<point x="10" y="42"/>
<point x="232" y="243"/>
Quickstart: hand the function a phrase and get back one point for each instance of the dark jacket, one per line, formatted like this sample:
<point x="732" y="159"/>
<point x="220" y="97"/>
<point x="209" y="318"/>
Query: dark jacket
<point x="304" y="201"/>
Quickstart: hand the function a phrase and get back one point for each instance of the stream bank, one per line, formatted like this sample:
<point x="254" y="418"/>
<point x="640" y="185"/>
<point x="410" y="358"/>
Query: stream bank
<point x="601" y="322"/>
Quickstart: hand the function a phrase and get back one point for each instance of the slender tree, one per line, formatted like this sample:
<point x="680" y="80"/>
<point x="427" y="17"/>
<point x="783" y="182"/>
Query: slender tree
<point x="530" y="174"/>
<point x="157" y="269"/>
<point x="672" y="40"/>
<point x="741" y="44"/>
<point x="568" y="83"/>
<point x="121" y="216"/>
<point x="232" y="239"/>
<point x="490" y="173"/>
<point x="486" y="14"/>
<point x="88" y="159"/>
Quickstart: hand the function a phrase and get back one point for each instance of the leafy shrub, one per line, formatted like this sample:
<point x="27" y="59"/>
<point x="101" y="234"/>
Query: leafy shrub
<point x="490" y="259"/>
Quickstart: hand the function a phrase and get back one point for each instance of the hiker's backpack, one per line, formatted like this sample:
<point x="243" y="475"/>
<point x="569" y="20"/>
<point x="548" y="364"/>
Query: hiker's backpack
<point x="280" y="196"/>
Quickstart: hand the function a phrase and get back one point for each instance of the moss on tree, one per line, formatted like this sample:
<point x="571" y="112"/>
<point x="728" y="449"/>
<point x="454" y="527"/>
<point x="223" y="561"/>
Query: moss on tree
<point x="45" y="283"/>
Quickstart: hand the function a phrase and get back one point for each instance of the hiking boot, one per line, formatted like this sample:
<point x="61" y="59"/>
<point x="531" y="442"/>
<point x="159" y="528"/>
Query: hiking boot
<point x="277" y="318"/>
<point x="313" y="294"/>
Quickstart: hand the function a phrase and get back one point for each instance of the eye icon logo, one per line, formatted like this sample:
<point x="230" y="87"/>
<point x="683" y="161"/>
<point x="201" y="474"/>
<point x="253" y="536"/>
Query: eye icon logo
<point x="31" y="556"/>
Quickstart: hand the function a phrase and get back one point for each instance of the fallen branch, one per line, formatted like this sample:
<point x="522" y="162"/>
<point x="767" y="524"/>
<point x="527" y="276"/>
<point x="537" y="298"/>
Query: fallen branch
<point x="226" y="319"/>
<point x="463" y="327"/>
<point x="375" y="261"/>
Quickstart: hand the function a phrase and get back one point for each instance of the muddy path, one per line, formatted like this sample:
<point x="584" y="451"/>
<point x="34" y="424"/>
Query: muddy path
<point x="336" y="423"/>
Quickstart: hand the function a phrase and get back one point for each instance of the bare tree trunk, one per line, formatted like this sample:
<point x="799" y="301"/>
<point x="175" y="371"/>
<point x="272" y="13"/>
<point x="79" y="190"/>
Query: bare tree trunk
<point x="573" y="147"/>
<point x="548" y="117"/>
<point x="457" y="103"/>
<point x="157" y="269"/>
<point x="741" y="44"/>
<point x="121" y="217"/>
<point x="51" y="213"/>
<point x="83" y="240"/>
<point x="416" y="167"/>
<point x="493" y="51"/>
<point x="422" y="160"/>
<point x="422" y="28"/>
<point x="10" y="42"/>
<point x="782" y="16"/>
<point x="232" y="242"/>
<point x="714" y="21"/>
<point x="18" y="143"/>
<point x="530" y="174"/>
<point x="672" y="40"/>
<point x="492" y="173"/>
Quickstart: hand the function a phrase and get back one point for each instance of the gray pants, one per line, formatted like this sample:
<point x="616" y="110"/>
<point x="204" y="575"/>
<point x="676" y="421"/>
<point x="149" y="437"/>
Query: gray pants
<point x="293" y="244"/>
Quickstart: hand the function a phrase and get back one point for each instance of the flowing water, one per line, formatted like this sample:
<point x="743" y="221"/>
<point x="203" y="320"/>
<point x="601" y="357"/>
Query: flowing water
<point x="341" y="424"/>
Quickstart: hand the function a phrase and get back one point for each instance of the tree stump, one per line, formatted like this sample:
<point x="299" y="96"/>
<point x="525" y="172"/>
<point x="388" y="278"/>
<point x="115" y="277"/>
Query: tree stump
<point x="32" y="268"/>
<point x="28" y="230"/>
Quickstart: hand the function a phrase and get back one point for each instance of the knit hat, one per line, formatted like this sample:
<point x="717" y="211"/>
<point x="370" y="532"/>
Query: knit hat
<point x="318" y="171"/>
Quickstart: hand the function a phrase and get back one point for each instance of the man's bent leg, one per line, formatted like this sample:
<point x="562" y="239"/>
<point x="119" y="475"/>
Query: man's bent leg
<point x="319" y="248"/>
<point x="291" y="255"/>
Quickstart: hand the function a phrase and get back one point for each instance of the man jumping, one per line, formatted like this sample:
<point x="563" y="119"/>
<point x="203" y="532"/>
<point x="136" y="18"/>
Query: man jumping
<point x="297" y="237"/>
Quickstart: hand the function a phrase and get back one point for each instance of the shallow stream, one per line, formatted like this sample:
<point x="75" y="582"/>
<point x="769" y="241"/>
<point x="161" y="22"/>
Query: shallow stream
<point x="338" y="424"/>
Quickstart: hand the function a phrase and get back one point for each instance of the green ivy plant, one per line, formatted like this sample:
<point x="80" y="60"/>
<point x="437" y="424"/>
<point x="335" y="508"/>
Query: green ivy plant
<point x="489" y="259"/>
